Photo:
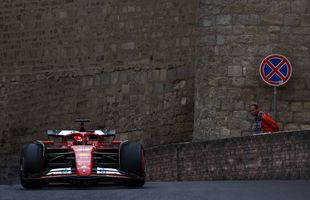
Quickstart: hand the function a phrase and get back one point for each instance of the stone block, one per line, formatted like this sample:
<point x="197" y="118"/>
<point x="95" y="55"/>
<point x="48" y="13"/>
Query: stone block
<point x="185" y="42"/>
<point x="299" y="84"/>
<point x="134" y="99"/>
<point x="235" y="132"/>
<point x="131" y="75"/>
<point x="213" y="81"/>
<point x="131" y="8"/>
<point x="307" y="106"/>
<point x="111" y="99"/>
<point x="285" y="116"/>
<point x="286" y="30"/>
<point x="223" y="19"/>
<point x="220" y="39"/>
<point x="168" y="87"/>
<point x="246" y="39"/>
<point x="113" y="47"/>
<point x="208" y="21"/>
<point x="296" y="106"/>
<point x="158" y="88"/>
<point x="105" y="78"/>
<point x="84" y="82"/>
<point x="234" y="71"/>
<point x="123" y="77"/>
<point x="272" y="19"/>
<point x="238" y="81"/>
<point x="291" y="127"/>
<point x="155" y="75"/>
<point x="172" y="74"/>
<point x="274" y="29"/>
<point x="97" y="80"/>
<point x="125" y="88"/>
<point x="233" y="93"/>
<point x="305" y="126"/>
<point x="239" y="29"/>
<point x="114" y="78"/>
<point x="90" y="82"/>
<point x="128" y="46"/>
<point x="239" y="105"/>
<point x="299" y="6"/>
<point x="305" y="20"/>
<point x="163" y="44"/>
<point x="224" y="132"/>
<point x="238" y="50"/>
<point x="62" y="14"/>
<point x="143" y="77"/>
<point x="250" y="19"/>
<point x="209" y="39"/>
<point x="227" y="29"/>
<point x="123" y="136"/>
<point x="279" y="6"/>
<point x="163" y="75"/>
<point x="184" y="101"/>
<point x="240" y="114"/>
<point x="301" y="117"/>
<point x="291" y="19"/>
<point x="246" y="126"/>
<point x="234" y="124"/>
<point x="182" y="72"/>
<point x="301" y="30"/>
<point x="283" y="105"/>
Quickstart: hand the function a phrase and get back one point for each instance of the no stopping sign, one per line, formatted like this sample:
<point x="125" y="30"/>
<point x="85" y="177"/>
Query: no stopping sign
<point x="275" y="70"/>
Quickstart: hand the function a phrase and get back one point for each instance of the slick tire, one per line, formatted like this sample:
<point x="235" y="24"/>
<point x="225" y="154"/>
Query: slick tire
<point x="32" y="163"/>
<point x="133" y="161"/>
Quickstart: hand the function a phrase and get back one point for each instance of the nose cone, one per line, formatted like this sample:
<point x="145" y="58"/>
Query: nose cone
<point x="83" y="159"/>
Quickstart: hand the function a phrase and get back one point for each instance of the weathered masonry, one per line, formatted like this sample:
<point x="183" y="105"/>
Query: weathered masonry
<point x="159" y="71"/>
<point x="274" y="156"/>
<point x="234" y="37"/>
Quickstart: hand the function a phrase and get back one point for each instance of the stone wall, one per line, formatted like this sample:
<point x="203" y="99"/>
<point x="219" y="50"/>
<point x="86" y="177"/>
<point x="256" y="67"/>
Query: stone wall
<point x="127" y="65"/>
<point x="234" y="37"/>
<point x="148" y="68"/>
<point x="274" y="156"/>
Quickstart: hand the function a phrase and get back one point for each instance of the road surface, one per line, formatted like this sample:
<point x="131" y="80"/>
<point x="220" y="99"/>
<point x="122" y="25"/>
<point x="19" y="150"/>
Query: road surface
<point x="206" y="190"/>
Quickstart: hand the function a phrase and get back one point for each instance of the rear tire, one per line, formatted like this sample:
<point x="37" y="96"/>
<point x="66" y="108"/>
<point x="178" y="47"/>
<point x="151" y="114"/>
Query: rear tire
<point x="133" y="161"/>
<point x="32" y="162"/>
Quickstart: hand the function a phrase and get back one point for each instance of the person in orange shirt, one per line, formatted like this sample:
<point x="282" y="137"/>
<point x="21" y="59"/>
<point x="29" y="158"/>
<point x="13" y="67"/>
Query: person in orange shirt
<point x="263" y="123"/>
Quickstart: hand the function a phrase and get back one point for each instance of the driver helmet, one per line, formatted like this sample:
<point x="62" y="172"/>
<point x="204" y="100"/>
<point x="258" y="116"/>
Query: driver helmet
<point x="78" y="139"/>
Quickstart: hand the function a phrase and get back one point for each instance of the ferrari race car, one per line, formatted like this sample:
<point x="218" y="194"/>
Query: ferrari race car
<point x="82" y="157"/>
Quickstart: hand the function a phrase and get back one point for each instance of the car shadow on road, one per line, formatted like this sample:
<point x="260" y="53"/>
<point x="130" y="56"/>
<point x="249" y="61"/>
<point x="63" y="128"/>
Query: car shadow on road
<point x="103" y="186"/>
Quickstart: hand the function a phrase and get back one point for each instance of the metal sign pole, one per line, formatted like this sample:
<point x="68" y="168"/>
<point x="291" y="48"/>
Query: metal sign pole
<point x="275" y="103"/>
<point x="275" y="70"/>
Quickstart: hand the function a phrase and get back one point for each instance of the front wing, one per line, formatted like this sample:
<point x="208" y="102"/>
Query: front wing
<point x="100" y="175"/>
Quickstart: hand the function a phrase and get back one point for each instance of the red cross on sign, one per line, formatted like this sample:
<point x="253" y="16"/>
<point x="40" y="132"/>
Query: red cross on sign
<point x="275" y="70"/>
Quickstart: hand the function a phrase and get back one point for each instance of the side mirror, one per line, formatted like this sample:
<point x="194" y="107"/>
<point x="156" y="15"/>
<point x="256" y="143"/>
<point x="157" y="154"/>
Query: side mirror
<point x="48" y="142"/>
<point x="53" y="132"/>
<point x="110" y="132"/>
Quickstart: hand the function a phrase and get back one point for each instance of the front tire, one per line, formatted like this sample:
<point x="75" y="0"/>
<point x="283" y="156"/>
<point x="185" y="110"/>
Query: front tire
<point x="32" y="162"/>
<point x="133" y="161"/>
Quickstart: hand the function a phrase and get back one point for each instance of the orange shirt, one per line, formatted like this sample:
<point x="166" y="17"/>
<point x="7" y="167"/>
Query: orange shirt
<point x="268" y="124"/>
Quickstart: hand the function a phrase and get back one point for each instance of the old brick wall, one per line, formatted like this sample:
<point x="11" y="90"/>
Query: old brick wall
<point x="124" y="64"/>
<point x="234" y="37"/>
<point x="283" y="155"/>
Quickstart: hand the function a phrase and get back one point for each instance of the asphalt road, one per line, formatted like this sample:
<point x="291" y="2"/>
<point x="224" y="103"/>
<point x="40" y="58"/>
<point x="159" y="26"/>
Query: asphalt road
<point x="207" y="190"/>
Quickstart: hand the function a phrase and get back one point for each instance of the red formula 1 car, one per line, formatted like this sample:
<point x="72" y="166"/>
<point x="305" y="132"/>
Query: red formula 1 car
<point x="84" y="157"/>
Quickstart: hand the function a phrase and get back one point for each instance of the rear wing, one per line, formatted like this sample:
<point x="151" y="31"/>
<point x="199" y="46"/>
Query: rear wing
<point x="62" y="133"/>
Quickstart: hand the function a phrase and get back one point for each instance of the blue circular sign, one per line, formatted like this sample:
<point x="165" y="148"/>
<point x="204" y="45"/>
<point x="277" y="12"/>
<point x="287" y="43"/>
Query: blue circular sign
<point x="275" y="70"/>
